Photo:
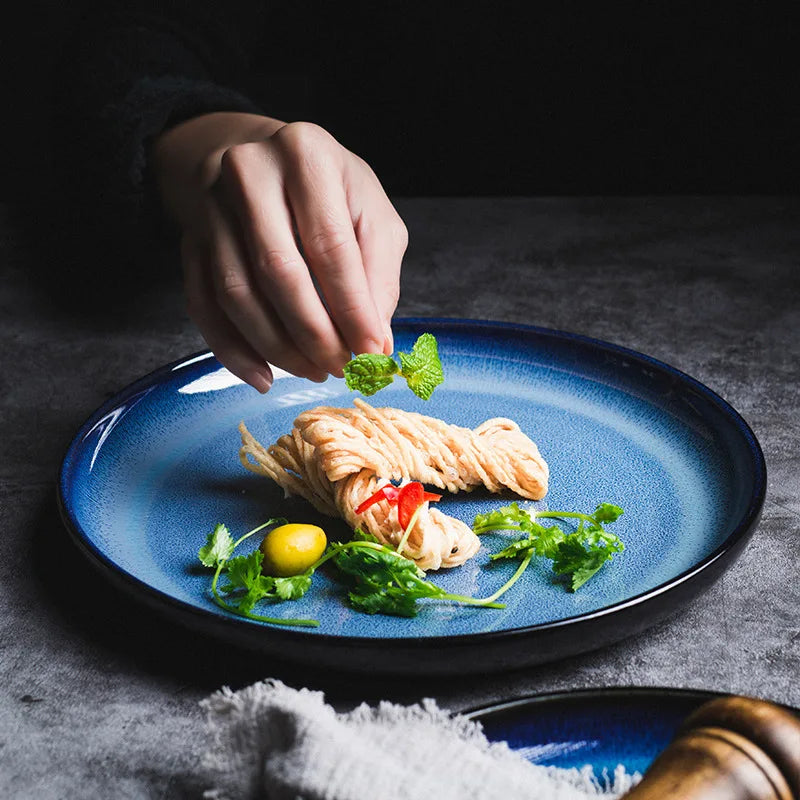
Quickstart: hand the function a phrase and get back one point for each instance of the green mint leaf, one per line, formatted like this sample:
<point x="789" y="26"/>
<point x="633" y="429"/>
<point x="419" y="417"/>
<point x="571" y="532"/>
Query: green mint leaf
<point x="422" y="367"/>
<point x="369" y="373"/>
<point x="607" y="512"/>
<point x="218" y="547"/>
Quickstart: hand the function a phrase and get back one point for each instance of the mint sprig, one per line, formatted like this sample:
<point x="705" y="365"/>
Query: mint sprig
<point x="368" y="373"/>
<point x="422" y="367"/>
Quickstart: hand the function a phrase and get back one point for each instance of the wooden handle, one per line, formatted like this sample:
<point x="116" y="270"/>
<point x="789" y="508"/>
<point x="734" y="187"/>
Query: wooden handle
<point x="732" y="748"/>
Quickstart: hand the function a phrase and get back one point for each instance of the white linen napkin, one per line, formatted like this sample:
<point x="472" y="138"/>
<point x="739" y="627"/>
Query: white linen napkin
<point x="272" y="742"/>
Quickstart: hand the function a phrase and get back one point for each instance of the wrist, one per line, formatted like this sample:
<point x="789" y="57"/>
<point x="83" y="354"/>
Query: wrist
<point x="186" y="158"/>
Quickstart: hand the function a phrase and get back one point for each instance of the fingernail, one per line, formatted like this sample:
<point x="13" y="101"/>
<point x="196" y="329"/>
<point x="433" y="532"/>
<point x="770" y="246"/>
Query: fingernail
<point x="261" y="382"/>
<point x="388" y="342"/>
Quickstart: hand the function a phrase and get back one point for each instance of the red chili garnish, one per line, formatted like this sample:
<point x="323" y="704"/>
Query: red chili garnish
<point x="412" y="496"/>
<point x="408" y="500"/>
<point x="391" y="493"/>
<point x="388" y="492"/>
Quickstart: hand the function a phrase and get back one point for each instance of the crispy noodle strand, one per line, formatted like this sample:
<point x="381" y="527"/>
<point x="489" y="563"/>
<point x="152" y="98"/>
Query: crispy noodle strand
<point x="337" y="457"/>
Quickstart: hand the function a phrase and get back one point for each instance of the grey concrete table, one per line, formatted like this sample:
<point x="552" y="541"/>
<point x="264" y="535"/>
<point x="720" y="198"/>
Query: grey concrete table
<point x="100" y="697"/>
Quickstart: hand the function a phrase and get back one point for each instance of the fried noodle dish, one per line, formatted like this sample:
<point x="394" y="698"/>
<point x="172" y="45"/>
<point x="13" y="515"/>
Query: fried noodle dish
<point x="337" y="457"/>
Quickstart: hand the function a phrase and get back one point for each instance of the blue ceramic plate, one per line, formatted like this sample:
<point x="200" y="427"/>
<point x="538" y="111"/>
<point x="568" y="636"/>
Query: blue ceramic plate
<point x="601" y="728"/>
<point x="153" y="470"/>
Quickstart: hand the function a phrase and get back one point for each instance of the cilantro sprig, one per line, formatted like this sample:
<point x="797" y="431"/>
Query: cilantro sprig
<point x="247" y="585"/>
<point x="383" y="582"/>
<point x="576" y="555"/>
<point x="380" y="580"/>
<point x="368" y="373"/>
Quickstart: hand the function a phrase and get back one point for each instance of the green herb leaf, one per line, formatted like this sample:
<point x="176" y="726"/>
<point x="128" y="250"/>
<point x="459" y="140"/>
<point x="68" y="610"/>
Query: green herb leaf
<point x="383" y="582"/>
<point x="291" y="588"/>
<point x="510" y="517"/>
<point x="383" y="600"/>
<point x="577" y="555"/>
<point x="578" y="561"/>
<point x="549" y="540"/>
<point x="518" y="549"/>
<point x="607" y="512"/>
<point x="244" y="571"/>
<point x="369" y="373"/>
<point x="541" y="541"/>
<point x="218" y="547"/>
<point x="422" y="367"/>
<point x="378" y="567"/>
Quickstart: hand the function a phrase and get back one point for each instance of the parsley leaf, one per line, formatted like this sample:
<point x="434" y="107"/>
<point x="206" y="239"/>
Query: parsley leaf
<point x="219" y="547"/>
<point x="244" y="572"/>
<point x="383" y="600"/>
<point x="383" y="582"/>
<point x="293" y="587"/>
<point x="541" y="541"/>
<point x="368" y="373"/>
<point x="505" y="518"/>
<point x="579" y="561"/>
<point x="607" y="512"/>
<point x="577" y="555"/>
<point x="245" y="580"/>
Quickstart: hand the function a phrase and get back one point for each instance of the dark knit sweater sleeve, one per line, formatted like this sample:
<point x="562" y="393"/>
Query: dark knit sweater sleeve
<point x="125" y="76"/>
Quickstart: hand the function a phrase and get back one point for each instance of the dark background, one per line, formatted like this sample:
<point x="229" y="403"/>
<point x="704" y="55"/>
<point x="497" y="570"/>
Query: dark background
<point x="499" y="98"/>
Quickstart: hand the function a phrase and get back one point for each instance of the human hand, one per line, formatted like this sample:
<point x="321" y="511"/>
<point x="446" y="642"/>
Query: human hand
<point x="290" y="247"/>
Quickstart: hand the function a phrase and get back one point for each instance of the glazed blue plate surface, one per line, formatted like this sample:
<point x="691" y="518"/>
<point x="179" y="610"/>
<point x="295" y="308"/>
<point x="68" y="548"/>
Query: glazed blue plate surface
<point x="602" y="728"/>
<point x="153" y="470"/>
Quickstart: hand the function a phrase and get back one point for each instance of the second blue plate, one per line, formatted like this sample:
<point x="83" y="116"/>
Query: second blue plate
<point x="600" y="728"/>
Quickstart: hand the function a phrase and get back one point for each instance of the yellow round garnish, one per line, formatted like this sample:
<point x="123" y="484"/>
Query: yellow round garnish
<point x="291" y="549"/>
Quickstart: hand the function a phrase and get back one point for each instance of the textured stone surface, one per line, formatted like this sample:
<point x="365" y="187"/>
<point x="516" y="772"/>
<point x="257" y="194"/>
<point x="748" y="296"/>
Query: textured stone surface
<point x="100" y="696"/>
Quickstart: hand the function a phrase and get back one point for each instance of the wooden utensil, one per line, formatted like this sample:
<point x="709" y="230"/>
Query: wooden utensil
<point x="731" y="748"/>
